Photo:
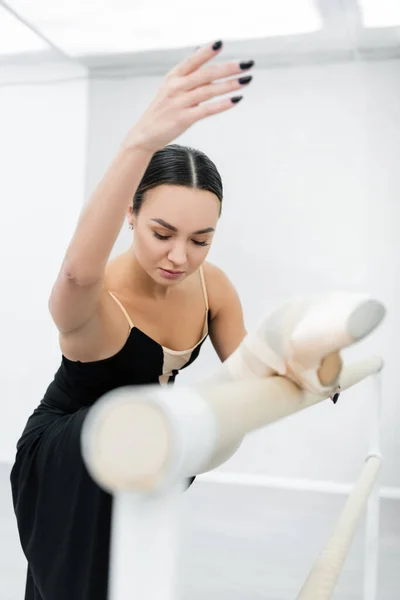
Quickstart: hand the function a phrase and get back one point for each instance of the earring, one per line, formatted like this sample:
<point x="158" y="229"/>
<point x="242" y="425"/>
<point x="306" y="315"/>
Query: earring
<point x="131" y="226"/>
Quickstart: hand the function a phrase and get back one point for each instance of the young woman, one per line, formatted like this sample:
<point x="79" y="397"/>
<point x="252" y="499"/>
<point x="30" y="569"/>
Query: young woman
<point x="137" y="319"/>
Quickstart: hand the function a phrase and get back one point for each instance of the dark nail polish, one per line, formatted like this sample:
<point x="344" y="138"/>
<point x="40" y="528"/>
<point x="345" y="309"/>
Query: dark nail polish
<point x="244" y="80"/>
<point x="335" y="398"/>
<point x="247" y="65"/>
<point x="236" y="99"/>
<point x="217" y="45"/>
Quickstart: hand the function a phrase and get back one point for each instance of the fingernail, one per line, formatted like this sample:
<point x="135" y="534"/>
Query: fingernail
<point x="335" y="398"/>
<point x="236" y="99"/>
<point x="247" y="65"/>
<point x="244" y="80"/>
<point x="217" y="45"/>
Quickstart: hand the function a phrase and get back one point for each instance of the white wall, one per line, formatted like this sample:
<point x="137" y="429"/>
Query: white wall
<point x="310" y="166"/>
<point x="43" y="118"/>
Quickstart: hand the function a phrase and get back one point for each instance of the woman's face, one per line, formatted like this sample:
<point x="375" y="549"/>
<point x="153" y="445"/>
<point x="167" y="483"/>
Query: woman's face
<point x="173" y="231"/>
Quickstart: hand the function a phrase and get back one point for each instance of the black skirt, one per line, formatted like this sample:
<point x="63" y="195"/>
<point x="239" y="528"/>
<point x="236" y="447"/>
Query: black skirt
<point x="63" y="516"/>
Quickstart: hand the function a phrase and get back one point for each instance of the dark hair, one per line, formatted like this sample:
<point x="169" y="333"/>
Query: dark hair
<point x="179" y="165"/>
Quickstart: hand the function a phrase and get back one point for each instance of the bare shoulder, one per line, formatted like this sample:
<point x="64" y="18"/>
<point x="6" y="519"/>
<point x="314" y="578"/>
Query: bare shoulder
<point x="220" y="288"/>
<point x="227" y="328"/>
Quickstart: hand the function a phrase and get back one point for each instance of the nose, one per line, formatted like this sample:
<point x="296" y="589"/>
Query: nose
<point x="177" y="254"/>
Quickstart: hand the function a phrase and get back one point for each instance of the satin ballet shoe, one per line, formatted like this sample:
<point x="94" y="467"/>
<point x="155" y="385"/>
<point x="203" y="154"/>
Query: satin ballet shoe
<point x="294" y="340"/>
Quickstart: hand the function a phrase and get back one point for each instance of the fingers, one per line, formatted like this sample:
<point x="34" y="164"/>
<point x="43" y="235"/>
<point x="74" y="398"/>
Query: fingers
<point x="212" y="73"/>
<point x="190" y="85"/>
<point x="335" y="396"/>
<point x="212" y="108"/>
<point x="191" y="76"/>
<point x="187" y="87"/>
<point x="196" y="60"/>
<point x="211" y="91"/>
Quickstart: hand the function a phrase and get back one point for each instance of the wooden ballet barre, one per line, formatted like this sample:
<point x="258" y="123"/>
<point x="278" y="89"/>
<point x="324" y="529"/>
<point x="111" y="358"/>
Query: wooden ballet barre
<point x="322" y="579"/>
<point x="141" y="444"/>
<point x="141" y="438"/>
<point x="244" y="406"/>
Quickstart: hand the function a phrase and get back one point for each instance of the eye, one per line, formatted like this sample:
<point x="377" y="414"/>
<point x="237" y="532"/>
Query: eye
<point x="200" y="243"/>
<point x="161" y="237"/>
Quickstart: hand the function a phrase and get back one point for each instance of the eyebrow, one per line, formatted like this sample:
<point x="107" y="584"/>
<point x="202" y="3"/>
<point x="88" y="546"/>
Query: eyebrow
<point x="172" y="228"/>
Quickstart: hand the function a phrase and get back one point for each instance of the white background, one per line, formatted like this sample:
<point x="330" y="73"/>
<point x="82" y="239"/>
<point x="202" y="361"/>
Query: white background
<point x="309" y="162"/>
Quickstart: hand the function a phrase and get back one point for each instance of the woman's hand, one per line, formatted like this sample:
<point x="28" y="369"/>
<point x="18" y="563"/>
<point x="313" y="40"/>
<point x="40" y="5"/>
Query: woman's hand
<point x="179" y="102"/>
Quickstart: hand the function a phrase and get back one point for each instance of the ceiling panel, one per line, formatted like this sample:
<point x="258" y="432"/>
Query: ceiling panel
<point x="17" y="38"/>
<point x="150" y="36"/>
<point x="90" y="27"/>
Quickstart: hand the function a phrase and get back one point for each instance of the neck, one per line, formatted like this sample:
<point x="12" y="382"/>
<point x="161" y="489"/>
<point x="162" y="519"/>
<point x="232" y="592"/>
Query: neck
<point x="130" y="277"/>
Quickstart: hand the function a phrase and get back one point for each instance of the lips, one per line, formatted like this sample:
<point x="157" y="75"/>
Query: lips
<point x="172" y="272"/>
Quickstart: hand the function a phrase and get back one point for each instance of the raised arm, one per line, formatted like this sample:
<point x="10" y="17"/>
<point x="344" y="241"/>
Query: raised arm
<point x="180" y="102"/>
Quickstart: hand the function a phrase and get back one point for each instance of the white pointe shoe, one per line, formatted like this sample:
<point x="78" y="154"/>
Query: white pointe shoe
<point x="294" y="340"/>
